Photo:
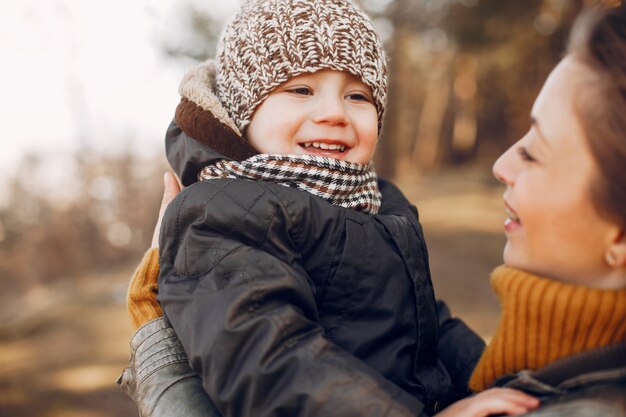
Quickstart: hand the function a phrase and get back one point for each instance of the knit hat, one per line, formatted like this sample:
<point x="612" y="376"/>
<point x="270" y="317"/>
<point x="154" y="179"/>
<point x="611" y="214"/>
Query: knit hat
<point x="268" y="42"/>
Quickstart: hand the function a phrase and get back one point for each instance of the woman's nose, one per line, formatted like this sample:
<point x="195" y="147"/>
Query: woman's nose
<point x="503" y="168"/>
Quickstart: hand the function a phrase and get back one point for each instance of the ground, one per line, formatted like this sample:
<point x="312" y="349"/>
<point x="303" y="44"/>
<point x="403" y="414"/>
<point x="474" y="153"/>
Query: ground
<point x="62" y="357"/>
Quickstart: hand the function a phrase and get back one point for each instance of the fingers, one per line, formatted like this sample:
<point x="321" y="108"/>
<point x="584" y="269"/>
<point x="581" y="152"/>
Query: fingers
<point x="492" y="401"/>
<point x="504" y="401"/>
<point x="171" y="187"/>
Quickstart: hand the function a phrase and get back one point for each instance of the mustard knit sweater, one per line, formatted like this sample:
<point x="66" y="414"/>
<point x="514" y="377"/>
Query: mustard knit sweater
<point x="544" y="320"/>
<point x="142" y="303"/>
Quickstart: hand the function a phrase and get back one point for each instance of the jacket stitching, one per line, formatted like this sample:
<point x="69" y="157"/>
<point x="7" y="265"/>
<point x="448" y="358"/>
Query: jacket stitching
<point x="182" y="203"/>
<point x="177" y="349"/>
<point x="247" y="211"/>
<point x="141" y="378"/>
<point x="147" y="368"/>
<point x="177" y="226"/>
<point x="327" y="278"/>
<point x="240" y="247"/>
<point x="420" y="323"/>
<point x="292" y="226"/>
<point x="146" y="338"/>
<point x="343" y="313"/>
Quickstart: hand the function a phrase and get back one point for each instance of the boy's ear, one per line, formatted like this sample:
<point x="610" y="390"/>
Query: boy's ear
<point x="616" y="254"/>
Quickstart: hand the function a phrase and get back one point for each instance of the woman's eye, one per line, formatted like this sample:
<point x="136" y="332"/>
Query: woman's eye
<point x="525" y="155"/>
<point x="304" y="91"/>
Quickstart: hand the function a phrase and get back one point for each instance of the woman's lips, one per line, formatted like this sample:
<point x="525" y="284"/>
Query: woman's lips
<point x="512" y="222"/>
<point x="510" y="225"/>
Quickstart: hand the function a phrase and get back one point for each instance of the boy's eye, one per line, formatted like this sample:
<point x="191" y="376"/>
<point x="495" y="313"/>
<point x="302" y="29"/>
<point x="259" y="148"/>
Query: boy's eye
<point x="525" y="155"/>
<point x="358" y="97"/>
<point x="304" y="91"/>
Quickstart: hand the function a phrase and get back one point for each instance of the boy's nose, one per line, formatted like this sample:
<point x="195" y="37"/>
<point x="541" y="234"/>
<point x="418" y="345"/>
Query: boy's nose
<point x="330" y="110"/>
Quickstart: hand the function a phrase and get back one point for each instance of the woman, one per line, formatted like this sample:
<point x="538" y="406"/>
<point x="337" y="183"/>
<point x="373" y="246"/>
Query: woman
<point x="562" y="336"/>
<point x="564" y="317"/>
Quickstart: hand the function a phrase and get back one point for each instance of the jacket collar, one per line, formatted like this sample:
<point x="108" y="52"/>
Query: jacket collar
<point x="202" y="131"/>
<point x="603" y="365"/>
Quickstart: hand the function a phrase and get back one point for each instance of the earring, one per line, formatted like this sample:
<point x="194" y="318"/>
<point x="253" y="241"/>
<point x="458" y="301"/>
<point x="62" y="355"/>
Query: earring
<point x="610" y="259"/>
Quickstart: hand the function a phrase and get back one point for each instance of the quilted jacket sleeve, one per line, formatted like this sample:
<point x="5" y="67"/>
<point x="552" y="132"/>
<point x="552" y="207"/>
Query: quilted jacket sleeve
<point x="459" y="349"/>
<point x="245" y="312"/>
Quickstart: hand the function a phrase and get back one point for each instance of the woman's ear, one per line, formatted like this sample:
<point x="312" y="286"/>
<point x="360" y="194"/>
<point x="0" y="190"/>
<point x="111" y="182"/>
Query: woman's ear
<point x="616" y="253"/>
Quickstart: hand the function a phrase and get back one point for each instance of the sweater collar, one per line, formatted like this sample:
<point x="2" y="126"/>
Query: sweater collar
<point x="545" y="320"/>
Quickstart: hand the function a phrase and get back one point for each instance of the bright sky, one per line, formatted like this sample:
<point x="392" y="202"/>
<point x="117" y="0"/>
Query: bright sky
<point x="81" y="74"/>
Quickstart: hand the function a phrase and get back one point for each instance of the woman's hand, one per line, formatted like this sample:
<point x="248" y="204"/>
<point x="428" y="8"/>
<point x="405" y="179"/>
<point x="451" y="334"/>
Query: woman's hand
<point x="172" y="188"/>
<point x="492" y="401"/>
<point x="142" y="301"/>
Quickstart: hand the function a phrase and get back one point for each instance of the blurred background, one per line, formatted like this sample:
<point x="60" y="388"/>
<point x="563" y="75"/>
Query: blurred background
<point x="87" y="91"/>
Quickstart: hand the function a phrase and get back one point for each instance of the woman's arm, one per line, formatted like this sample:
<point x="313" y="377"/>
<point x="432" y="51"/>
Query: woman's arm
<point x="159" y="378"/>
<point x="141" y="301"/>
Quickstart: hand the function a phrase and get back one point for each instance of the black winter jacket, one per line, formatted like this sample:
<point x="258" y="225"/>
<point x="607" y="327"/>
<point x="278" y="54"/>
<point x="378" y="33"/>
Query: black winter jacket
<point x="288" y="305"/>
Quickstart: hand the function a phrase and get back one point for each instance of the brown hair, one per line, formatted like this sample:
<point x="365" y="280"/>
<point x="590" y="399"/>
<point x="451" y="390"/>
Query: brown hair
<point x="598" y="39"/>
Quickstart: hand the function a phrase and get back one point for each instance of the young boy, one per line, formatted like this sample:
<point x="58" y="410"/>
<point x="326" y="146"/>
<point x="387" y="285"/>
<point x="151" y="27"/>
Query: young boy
<point x="289" y="302"/>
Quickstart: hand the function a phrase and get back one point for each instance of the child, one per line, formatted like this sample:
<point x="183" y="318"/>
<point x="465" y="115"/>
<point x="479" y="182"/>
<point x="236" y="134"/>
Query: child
<point x="289" y="302"/>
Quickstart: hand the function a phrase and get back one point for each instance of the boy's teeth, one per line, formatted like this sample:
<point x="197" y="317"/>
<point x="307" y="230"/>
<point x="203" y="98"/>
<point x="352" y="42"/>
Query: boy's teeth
<point x="326" y="146"/>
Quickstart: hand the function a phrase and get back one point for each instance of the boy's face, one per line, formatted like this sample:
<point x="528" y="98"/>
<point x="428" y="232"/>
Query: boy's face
<point x="325" y="113"/>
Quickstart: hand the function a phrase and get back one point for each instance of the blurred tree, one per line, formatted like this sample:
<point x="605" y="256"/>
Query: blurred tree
<point x="512" y="48"/>
<point x="464" y="74"/>
<point x="107" y="225"/>
<point x="198" y="39"/>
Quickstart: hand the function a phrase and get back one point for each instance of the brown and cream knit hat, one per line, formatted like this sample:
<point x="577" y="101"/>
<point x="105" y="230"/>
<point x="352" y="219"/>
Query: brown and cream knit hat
<point x="269" y="42"/>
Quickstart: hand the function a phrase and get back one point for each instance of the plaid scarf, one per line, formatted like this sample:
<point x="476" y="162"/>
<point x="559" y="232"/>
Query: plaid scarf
<point x="345" y="184"/>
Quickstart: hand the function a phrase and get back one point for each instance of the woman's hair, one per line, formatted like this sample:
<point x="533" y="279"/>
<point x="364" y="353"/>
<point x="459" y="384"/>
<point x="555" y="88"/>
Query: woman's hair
<point x="598" y="39"/>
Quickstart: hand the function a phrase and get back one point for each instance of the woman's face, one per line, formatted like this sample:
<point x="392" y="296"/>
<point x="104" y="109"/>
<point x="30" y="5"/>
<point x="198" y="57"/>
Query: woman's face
<point x="552" y="227"/>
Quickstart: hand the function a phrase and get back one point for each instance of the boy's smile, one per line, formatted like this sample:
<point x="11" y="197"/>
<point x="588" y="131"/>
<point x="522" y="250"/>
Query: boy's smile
<point x="329" y="146"/>
<point x="326" y="113"/>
